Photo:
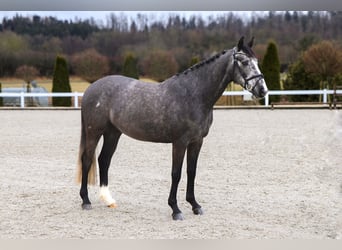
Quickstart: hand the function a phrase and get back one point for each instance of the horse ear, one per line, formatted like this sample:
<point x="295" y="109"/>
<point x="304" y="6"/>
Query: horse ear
<point x="240" y="44"/>
<point x="250" y="44"/>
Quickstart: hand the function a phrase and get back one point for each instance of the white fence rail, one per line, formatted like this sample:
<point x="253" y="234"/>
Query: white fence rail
<point x="323" y="92"/>
<point x="76" y="95"/>
<point x="23" y="95"/>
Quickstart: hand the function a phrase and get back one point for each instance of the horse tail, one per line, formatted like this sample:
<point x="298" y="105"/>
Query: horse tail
<point x="93" y="167"/>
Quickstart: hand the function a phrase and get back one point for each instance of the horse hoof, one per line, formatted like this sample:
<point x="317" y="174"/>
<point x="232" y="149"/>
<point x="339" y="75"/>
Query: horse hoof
<point x="86" y="206"/>
<point x="197" y="211"/>
<point x="113" y="205"/>
<point x="178" y="216"/>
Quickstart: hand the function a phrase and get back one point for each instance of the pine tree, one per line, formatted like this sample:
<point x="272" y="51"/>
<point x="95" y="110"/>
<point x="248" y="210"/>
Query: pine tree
<point x="130" y="68"/>
<point x="271" y="69"/>
<point x="60" y="82"/>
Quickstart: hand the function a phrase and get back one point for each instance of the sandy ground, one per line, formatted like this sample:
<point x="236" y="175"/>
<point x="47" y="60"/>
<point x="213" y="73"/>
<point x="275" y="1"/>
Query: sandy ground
<point x="262" y="174"/>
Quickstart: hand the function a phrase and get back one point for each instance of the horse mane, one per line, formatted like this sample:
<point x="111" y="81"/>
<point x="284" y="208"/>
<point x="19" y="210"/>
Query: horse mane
<point x="202" y="63"/>
<point x="246" y="49"/>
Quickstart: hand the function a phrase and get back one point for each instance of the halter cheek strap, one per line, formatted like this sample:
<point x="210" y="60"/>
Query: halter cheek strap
<point x="245" y="85"/>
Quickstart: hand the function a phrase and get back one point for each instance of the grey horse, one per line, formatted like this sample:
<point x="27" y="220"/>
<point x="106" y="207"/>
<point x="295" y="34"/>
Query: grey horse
<point x="178" y="110"/>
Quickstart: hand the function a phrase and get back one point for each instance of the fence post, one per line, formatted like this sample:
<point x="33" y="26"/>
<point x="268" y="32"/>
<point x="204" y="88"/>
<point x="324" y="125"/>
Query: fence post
<point x="22" y="100"/>
<point x="266" y="100"/>
<point x="75" y="100"/>
<point x="325" y="96"/>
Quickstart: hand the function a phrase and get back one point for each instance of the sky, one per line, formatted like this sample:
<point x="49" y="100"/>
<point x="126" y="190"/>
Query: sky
<point x="101" y="16"/>
<point x="192" y="5"/>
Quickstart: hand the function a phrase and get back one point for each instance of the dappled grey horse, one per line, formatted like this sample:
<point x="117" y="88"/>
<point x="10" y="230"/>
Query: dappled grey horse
<point x="178" y="111"/>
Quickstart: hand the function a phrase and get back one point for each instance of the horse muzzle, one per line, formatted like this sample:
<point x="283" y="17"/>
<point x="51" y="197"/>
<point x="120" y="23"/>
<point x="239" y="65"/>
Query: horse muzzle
<point x="260" y="89"/>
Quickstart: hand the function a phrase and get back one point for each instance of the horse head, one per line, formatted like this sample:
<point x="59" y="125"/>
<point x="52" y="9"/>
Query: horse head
<point x="246" y="71"/>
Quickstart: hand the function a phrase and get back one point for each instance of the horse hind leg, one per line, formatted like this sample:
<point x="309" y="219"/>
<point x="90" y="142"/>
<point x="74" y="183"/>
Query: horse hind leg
<point x="110" y="142"/>
<point x="87" y="161"/>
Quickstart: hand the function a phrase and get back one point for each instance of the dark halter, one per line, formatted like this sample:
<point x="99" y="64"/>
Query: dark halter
<point x="245" y="84"/>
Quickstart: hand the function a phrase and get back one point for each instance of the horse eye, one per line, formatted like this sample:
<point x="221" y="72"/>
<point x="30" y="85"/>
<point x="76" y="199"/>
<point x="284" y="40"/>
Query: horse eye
<point x="245" y="63"/>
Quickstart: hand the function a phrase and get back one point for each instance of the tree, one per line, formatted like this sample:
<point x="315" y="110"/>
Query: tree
<point x="60" y="82"/>
<point x="299" y="79"/>
<point x="12" y="42"/>
<point x="323" y="60"/>
<point x="36" y="40"/>
<point x="28" y="74"/>
<point x="90" y="65"/>
<point x="305" y="42"/>
<point x="11" y="45"/>
<point x="130" y="68"/>
<point x="160" y="64"/>
<point x="271" y="69"/>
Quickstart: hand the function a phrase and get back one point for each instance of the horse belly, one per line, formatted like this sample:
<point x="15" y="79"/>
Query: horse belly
<point x="153" y="129"/>
<point x="143" y="127"/>
<point x="147" y="134"/>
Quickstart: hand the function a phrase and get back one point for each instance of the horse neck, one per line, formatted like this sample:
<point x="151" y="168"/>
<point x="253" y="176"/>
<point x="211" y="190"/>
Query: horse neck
<point x="218" y="78"/>
<point x="207" y="83"/>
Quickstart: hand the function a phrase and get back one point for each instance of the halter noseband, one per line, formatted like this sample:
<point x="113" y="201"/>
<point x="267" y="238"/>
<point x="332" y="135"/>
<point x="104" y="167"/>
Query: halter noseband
<point x="245" y="85"/>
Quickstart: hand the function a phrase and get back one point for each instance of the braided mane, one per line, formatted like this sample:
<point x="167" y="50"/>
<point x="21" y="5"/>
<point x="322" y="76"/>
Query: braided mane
<point x="202" y="63"/>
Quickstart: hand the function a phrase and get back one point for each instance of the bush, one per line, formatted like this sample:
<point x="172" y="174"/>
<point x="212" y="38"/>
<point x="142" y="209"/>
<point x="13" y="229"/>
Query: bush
<point x="299" y="79"/>
<point x="271" y="69"/>
<point x="130" y="68"/>
<point x="160" y="65"/>
<point x="194" y="60"/>
<point x="323" y="60"/>
<point x="90" y="65"/>
<point x="60" y="82"/>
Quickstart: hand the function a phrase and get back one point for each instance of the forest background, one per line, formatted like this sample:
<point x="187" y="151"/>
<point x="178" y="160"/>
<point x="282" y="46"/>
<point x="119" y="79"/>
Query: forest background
<point x="175" y="42"/>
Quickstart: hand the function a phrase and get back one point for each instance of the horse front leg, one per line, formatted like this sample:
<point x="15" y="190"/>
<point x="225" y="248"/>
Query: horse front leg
<point x="178" y="152"/>
<point x="192" y="157"/>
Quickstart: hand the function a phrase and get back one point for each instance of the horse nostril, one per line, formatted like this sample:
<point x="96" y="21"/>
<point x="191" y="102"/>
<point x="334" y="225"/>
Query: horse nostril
<point x="263" y="92"/>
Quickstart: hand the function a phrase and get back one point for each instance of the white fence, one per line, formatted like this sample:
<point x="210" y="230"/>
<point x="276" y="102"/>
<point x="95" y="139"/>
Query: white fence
<point x="76" y="95"/>
<point x="324" y="93"/>
<point x="23" y="95"/>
